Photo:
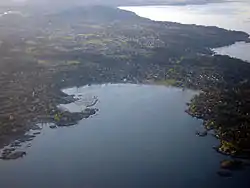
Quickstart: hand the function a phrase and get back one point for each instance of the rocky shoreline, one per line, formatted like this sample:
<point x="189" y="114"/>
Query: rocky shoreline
<point x="231" y="127"/>
<point x="59" y="118"/>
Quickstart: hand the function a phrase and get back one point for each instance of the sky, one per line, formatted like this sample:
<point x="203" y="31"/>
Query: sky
<point x="68" y="2"/>
<point x="82" y="1"/>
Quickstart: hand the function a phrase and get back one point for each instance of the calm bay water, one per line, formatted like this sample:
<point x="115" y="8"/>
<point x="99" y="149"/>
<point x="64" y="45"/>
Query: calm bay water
<point x="140" y="138"/>
<point x="231" y="15"/>
<point x="238" y="50"/>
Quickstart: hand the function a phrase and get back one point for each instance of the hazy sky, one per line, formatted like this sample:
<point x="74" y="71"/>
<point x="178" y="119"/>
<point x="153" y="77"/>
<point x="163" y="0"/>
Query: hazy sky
<point x="63" y="1"/>
<point x="105" y="1"/>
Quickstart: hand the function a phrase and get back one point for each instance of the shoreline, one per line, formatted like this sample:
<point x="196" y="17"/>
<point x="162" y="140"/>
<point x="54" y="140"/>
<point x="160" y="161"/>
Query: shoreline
<point x="154" y="52"/>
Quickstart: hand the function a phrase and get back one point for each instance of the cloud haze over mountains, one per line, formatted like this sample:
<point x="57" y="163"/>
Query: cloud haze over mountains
<point x="106" y="2"/>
